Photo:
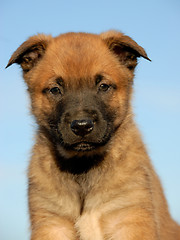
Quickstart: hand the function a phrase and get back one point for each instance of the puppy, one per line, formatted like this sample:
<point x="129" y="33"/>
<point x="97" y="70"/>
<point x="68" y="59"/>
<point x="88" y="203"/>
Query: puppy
<point x="90" y="177"/>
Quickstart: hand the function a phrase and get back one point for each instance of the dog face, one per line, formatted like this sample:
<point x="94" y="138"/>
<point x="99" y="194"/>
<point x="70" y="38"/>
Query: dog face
<point x="80" y="86"/>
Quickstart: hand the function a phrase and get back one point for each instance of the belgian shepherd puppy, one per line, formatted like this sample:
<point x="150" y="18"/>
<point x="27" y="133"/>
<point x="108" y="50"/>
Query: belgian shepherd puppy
<point x="90" y="177"/>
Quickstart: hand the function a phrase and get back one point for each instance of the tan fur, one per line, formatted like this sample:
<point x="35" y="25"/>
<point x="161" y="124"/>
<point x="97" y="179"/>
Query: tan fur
<point x="120" y="199"/>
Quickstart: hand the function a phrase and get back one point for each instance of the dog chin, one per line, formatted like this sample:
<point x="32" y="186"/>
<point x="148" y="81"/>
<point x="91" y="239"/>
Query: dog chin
<point x="80" y="159"/>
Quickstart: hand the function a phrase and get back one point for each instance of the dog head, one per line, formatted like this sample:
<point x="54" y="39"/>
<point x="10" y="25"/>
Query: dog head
<point x="80" y="86"/>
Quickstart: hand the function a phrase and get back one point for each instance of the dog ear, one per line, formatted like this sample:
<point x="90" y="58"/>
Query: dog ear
<point x="30" y="52"/>
<point x="124" y="47"/>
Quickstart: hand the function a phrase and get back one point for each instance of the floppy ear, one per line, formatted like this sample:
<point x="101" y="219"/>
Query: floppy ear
<point x="126" y="49"/>
<point x="30" y="52"/>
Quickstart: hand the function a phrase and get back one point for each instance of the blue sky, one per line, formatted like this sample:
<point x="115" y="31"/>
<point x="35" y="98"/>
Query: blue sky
<point x="154" y="25"/>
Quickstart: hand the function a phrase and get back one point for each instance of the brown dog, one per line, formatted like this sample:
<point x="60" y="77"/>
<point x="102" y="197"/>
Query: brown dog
<point x="90" y="177"/>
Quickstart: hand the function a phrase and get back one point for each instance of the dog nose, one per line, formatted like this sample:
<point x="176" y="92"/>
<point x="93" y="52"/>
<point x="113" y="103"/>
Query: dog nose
<point x="82" y="127"/>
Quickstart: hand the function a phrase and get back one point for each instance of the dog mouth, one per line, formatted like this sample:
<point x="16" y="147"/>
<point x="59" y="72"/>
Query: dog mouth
<point x="83" y="146"/>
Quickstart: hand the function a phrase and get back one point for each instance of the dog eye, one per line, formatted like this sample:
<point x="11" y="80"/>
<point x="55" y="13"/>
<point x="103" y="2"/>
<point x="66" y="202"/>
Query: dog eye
<point x="104" y="87"/>
<point x="55" y="91"/>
